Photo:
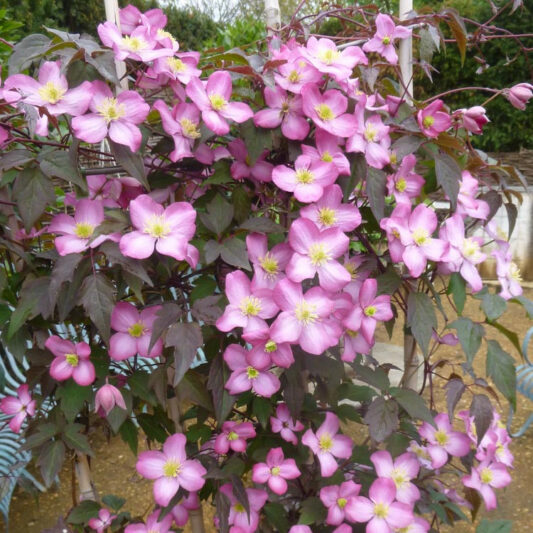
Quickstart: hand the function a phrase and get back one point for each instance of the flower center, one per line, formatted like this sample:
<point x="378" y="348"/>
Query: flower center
<point x="294" y="76"/>
<point x="370" y="134"/>
<point x="171" y="468"/>
<point x="252" y="372"/>
<point x="83" y="230"/>
<point x="325" y="442"/>
<point x="110" y="109"/>
<point x="239" y="508"/>
<point x="269" y="264"/>
<point x="399" y="477"/>
<point x="175" y="64"/>
<point x="324" y="112"/>
<point x="328" y="56"/>
<point x="271" y="346"/>
<point x="318" y="254"/>
<point x="341" y="502"/>
<point x="218" y="102"/>
<point x="304" y="176"/>
<point x="189" y="128"/>
<point x="486" y="476"/>
<point x="71" y="359"/>
<point x="420" y="236"/>
<point x="250" y="306"/>
<point x="232" y="436"/>
<point x="428" y="121"/>
<point x="157" y="227"/>
<point x="327" y="157"/>
<point x="285" y="108"/>
<point x="306" y="313"/>
<point x="386" y="40"/>
<point x="136" y="330"/>
<point x="370" y="310"/>
<point x="514" y="272"/>
<point x="327" y="216"/>
<point x="134" y="43"/>
<point x="381" y="510"/>
<point x="401" y="185"/>
<point x="470" y="248"/>
<point x="441" y="437"/>
<point x="163" y="34"/>
<point x="51" y="93"/>
<point x="275" y="471"/>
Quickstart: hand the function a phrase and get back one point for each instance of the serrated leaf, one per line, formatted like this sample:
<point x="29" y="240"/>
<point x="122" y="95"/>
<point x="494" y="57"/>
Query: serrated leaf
<point x="483" y="413"/>
<point x="166" y="316"/>
<point x="382" y="418"/>
<point x="186" y="338"/>
<point x="15" y="158"/>
<point x="51" y="460"/>
<point x="97" y="298"/>
<point x="312" y="512"/>
<point x="413" y="404"/>
<point x="421" y="318"/>
<point x="448" y="175"/>
<point x="207" y="310"/>
<point x="115" y="503"/>
<point x="132" y="162"/>
<point x="493" y="306"/>
<point x="376" y="377"/>
<point x="501" y="369"/>
<point x="234" y="253"/>
<point x="218" y="215"/>
<point x="262" y="225"/>
<point x="454" y="390"/>
<point x="26" y="50"/>
<point x="58" y="164"/>
<point x="457" y="288"/>
<point x="469" y="335"/>
<point x="44" y="434"/>
<point x="77" y="441"/>
<point x="83" y="512"/>
<point x="73" y="397"/>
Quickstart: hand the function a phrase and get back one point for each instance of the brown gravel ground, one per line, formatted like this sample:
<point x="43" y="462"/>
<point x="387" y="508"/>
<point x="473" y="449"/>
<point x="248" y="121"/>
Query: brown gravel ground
<point x="114" y="464"/>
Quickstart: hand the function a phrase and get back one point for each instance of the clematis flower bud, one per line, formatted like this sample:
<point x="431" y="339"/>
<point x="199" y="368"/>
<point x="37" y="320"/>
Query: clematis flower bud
<point x="519" y="95"/>
<point x="107" y="397"/>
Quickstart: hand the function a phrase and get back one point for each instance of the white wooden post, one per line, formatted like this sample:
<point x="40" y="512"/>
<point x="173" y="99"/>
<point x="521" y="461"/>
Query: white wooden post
<point x="406" y="51"/>
<point x="273" y="15"/>
<point x="112" y="15"/>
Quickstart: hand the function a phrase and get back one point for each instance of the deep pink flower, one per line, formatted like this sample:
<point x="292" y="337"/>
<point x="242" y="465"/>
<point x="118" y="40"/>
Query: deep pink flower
<point x="380" y="510"/>
<point x="519" y="95"/>
<point x="108" y="191"/>
<point x="153" y="525"/>
<point x="486" y="477"/>
<point x="250" y="371"/>
<point x="371" y="138"/>
<point x="51" y="91"/>
<point x="238" y="517"/>
<point x="280" y="353"/>
<point x="308" y="179"/>
<point x="130" y="17"/>
<point x="171" y="469"/>
<point x="432" y="120"/>
<point x="233" y="436"/>
<point x="293" y="75"/>
<point x="304" y="318"/>
<point x="300" y="529"/>
<point x="248" y="308"/>
<point x="268" y="265"/>
<point x="106" y="398"/>
<point x="242" y="168"/>
<point x="369" y="311"/>
<point x="315" y="252"/>
<point x="443" y="441"/>
<point x="117" y="117"/>
<point x="284" y="110"/>
<point x="405" y="184"/>
<point x="331" y="212"/>
<point x="275" y="471"/>
<point x="401" y="470"/>
<point x="284" y="424"/>
<point x="327" y="444"/>
<point x="335" y="498"/>
<point x="472" y="119"/>
<point x="20" y="406"/>
<point x="383" y="40"/>
<point x="167" y="230"/>
<point x="467" y="203"/>
<point x="213" y="102"/>
<point x="328" y="151"/>
<point x="104" y="520"/>
<point x="71" y="361"/>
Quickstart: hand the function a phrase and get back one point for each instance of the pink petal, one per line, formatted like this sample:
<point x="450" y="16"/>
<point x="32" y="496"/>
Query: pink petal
<point x="137" y="245"/>
<point x="90" y="128"/>
<point x="191" y="475"/>
<point x="383" y="490"/>
<point x="150" y="464"/>
<point x="174" y="447"/>
<point x="124" y="132"/>
<point x="164" y="490"/>
<point x="124" y="316"/>
<point x="84" y="374"/>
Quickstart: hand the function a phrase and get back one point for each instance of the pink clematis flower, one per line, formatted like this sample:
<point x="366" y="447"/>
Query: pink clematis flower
<point x="104" y="520"/>
<point x="134" y="331"/>
<point x="327" y="444"/>
<point x="242" y="521"/>
<point x="242" y="168"/>
<point x="401" y="471"/>
<point x="467" y="203"/>
<point x="284" y="424"/>
<point x="233" y="436"/>
<point x="328" y="110"/>
<point x="335" y="498"/>
<point x="294" y="75"/>
<point x="472" y="119"/>
<point x="486" y="477"/>
<point x="280" y="354"/>
<point x="182" y="123"/>
<point x="304" y="318"/>
<point x="76" y="232"/>
<point x="328" y="150"/>
<point x="380" y="510"/>
<point x="268" y="265"/>
<point x="331" y="212"/>
<point x="283" y="110"/>
<point x="167" y="230"/>
<point x="51" y="91"/>
<point x="250" y="372"/>
<point x="153" y="525"/>
<point x="20" y="406"/>
<point x="519" y="95"/>
<point x="275" y="471"/>
<point x="300" y="529"/>
<point x="418" y="525"/>
<point x="371" y="138"/>
<point x="315" y="252"/>
<point x="106" y="398"/>
<point x="180" y="67"/>
<point x="369" y="310"/>
<point x="171" y="469"/>
<point x="117" y="117"/>
<point x="383" y="40"/>
<point x="443" y="441"/>
<point x="248" y="308"/>
<point x="432" y="120"/>
<point x="405" y="184"/>
<point x="130" y="17"/>
<point x="213" y="102"/>
<point x="508" y="273"/>
<point x="308" y="179"/>
<point x="108" y="191"/>
<point x="180" y="512"/>
<point x="71" y="361"/>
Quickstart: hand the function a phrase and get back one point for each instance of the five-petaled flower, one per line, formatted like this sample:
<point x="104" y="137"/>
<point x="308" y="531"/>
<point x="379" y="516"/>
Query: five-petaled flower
<point x="71" y="361"/>
<point x="19" y="407"/>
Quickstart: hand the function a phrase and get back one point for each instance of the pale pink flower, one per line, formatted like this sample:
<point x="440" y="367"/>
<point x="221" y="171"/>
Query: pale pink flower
<point x="472" y="119"/>
<point x="106" y="398"/>
<point x="293" y="75"/>
<point x="71" y="361"/>
<point x="268" y="265"/>
<point x="213" y="101"/>
<point x="180" y="512"/>
<point x="234" y="436"/>
<point x="380" y="510"/>
<point x="495" y="445"/>
<point x="432" y="120"/>
<point x="181" y="67"/>
<point x="117" y="117"/>
<point x="130" y="17"/>
<point x="153" y="525"/>
<point x="328" y="151"/>
<point x="285" y="425"/>
<point x="106" y="190"/>
<point x="280" y="353"/>
<point x="171" y="469"/>
<point x="300" y="529"/>
<point x="405" y="184"/>
<point x="467" y="203"/>
<point x="284" y="110"/>
<point x="21" y="406"/>
<point x="167" y="230"/>
<point x="315" y="252"/>
<point x="383" y="40"/>
<point x="508" y="273"/>
<point x="486" y="477"/>
<point x="242" y="168"/>
<point x="519" y="95"/>
<point x="275" y="471"/>
<point x="327" y="444"/>
<point x="335" y="498"/>
<point x="104" y="520"/>
<point x="418" y="525"/>
<point x="242" y="521"/>
<point x="393" y="225"/>
<point x="308" y="179"/>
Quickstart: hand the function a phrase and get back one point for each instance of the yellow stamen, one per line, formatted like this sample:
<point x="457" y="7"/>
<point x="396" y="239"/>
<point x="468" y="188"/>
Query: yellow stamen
<point x="420" y="236"/>
<point x="470" y="248"/>
<point x="136" y="330"/>
<point x="239" y="508"/>
<point x="381" y="510"/>
<point x="441" y="437"/>
<point x="163" y="34"/>
<point x="306" y="312"/>
<point x="327" y="216"/>
<point x="157" y="227"/>
<point x="318" y="254"/>
<point x="275" y="471"/>
<point x="486" y="476"/>
<point x="370" y="134"/>
<point x="232" y="436"/>
<point x="324" y="112"/>
<point x="401" y="185"/>
<point x="218" y="102"/>
<point x="189" y="128"/>
<point x="252" y="372"/>
<point x="83" y="230"/>
<point x="327" y="157"/>
<point x="250" y="306"/>
<point x="171" y="468"/>
<point x="428" y="121"/>
<point x="304" y="176"/>
<point x="328" y="56"/>
<point x="134" y="43"/>
<point x="72" y="359"/>
<point x="341" y="502"/>
<point x="110" y="109"/>
<point x="386" y="40"/>
<point x="294" y="76"/>
<point x="271" y="346"/>
<point x="370" y="310"/>
<point x="51" y="93"/>
<point x="269" y="264"/>
<point x="399" y="477"/>
<point x="325" y="442"/>
<point x="175" y="64"/>
<point x="514" y="272"/>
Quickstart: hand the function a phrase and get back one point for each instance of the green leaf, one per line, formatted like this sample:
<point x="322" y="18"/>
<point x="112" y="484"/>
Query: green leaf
<point x="421" y="318"/>
<point x="257" y="140"/>
<point x="51" y="461"/>
<point x="75" y="440"/>
<point x="139" y="385"/>
<point x="83" y="512"/>
<point x="376" y="190"/>
<point x="448" y="175"/>
<point x="355" y="393"/>
<point x="525" y="303"/>
<point x="511" y="335"/>
<point x="276" y="515"/>
<point x="218" y="215"/>
<point x="221" y="174"/>
<point x="234" y="253"/>
<point x="483" y="413"/>
<point x="262" y="225"/>
<point x="73" y="398"/>
<point x="44" y="434"/>
<point x="501" y="369"/>
<point x="186" y="338"/>
<point x="376" y="377"/>
<point x="152" y="427"/>
<point x="15" y="158"/>
<point x="413" y="403"/>
<point x="115" y="503"/>
<point x="58" y="164"/>
<point x="493" y="306"/>
<point x="495" y="526"/>
<point x="166" y="316"/>
<point x="262" y="408"/>
<point x="127" y="264"/>
<point x="132" y="162"/>
<point x="97" y="297"/>
<point x="382" y="418"/>
<point x="129" y="433"/>
<point x="312" y="512"/>
<point x="241" y="203"/>
<point x="24" y="51"/>
<point x="458" y="28"/>
<point x="457" y="288"/>
<point x="469" y="334"/>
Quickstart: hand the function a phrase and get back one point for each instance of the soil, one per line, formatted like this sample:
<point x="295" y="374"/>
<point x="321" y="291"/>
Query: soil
<point x="114" y="465"/>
